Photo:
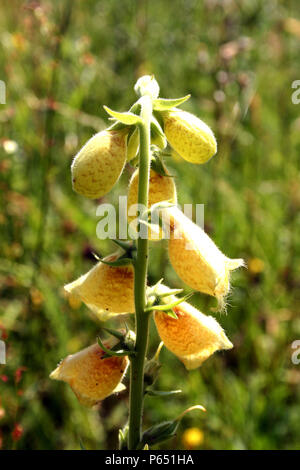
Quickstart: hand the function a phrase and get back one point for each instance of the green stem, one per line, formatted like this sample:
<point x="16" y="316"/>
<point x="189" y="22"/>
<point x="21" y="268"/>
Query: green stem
<point x="140" y="282"/>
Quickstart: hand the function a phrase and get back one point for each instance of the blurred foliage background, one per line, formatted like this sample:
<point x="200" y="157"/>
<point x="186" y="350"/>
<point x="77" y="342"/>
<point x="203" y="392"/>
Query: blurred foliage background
<point x="61" y="61"/>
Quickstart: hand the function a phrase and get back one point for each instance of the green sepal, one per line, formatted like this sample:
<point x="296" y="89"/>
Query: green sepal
<point x="162" y="104"/>
<point x="126" y="246"/>
<point x="118" y="262"/>
<point x="161" y="142"/>
<point x="162" y="393"/>
<point x="165" y="430"/>
<point x="153" y="227"/>
<point x="117" y="334"/>
<point x="171" y="314"/>
<point x="158" y="166"/>
<point x="151" y="372"/>
<point x="171" y="292"/>
<point x="125" y="346"/>
<point x="165" y="308"/>
<point x="127" y="118"/>
<point x="129" y="341"/>
<point x="133" y="141"/>
<point x="159" y="432"/>
<point x="157" y="135"/>
<point x="163" y="153"/>
<point x="153" y="289"/>
<point x="158" y="205"/>
<point x="118" y="126"/>
<point x="113" y="352"/>
<point x="156" y="127"/>
<point x="123" y="434"/>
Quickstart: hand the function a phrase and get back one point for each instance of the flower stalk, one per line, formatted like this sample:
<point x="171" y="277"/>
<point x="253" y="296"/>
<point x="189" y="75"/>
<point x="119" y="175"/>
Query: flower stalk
<point x="141" y="268"/>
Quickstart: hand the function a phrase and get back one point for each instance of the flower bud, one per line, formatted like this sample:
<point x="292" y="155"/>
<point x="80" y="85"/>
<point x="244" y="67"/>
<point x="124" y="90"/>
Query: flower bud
<point x="147" y="85"/>
<point x="106" y="289"/>
<point x="161" y="188"/>
<point x="189" y="136"/>
<point x="193" y="337"/>
<point x="92" y="378"/>
<point x="195" y="257"/>
<point x="99" y="164"/>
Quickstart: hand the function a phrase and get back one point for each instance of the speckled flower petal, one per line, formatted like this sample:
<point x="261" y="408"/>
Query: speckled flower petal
<point x="99" y="164"/>
<point x="189" y="136"/>
<point x="193" y="337"/>
<point x="91" y="377"/>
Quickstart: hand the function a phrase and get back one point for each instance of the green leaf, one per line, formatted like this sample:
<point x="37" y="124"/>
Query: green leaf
<point x="162" y="104"/>
<point x="159" y="393"/>
<point x="125" y="118"/>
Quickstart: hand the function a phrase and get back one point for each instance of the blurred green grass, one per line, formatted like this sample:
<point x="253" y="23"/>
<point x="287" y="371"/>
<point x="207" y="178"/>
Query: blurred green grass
<point x="238" y="60"/>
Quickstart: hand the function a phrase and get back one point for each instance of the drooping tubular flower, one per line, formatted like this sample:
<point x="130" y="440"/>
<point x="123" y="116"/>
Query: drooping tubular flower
<point x="106" y="290"/>
<point x="193" y="337"/>
<point x="189" y="136"/>
<point x="92" y="378"/>
<point x="161" y="188"/>
<point x="98" y="165"/>
<point x="195" y="257"/>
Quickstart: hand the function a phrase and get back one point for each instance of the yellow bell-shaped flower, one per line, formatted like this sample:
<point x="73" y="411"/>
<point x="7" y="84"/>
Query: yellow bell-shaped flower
<point x="106" y="290"/>
<point x="189" y="136"/>
<point x="193" y="337"/>
<point x="99" y="164"/>
<point x="195" y="257"/>
<point x="91" y="377"/>
<point x="161" y="188"/>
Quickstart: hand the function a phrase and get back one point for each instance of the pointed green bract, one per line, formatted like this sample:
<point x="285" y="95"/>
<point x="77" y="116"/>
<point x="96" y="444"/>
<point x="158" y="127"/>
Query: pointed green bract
<point x="159" y="393"/>
<point x="125" y="118"/>
<point x="162" y="104"/>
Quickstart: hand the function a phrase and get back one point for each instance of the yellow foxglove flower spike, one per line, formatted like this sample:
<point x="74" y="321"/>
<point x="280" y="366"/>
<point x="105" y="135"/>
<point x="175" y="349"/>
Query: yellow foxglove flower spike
<point x="92" y="378"/>
<point x="106" y="290"/>
<point x="161" y="188"/>
<point x="195" y="257"/>
<point x="193" y="337"/>
<point x="98" y="165"/>
<point x="189" y="136"/>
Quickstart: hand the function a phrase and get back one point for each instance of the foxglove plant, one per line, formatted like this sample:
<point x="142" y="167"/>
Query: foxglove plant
<point x="117" y="284"/>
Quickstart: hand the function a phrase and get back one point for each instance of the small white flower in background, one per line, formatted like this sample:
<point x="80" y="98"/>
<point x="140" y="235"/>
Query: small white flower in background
<point x="10" y="146"/>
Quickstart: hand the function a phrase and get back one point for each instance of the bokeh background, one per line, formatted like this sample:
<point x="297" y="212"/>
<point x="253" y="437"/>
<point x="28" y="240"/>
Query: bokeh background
<point x="61" y="61"/>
